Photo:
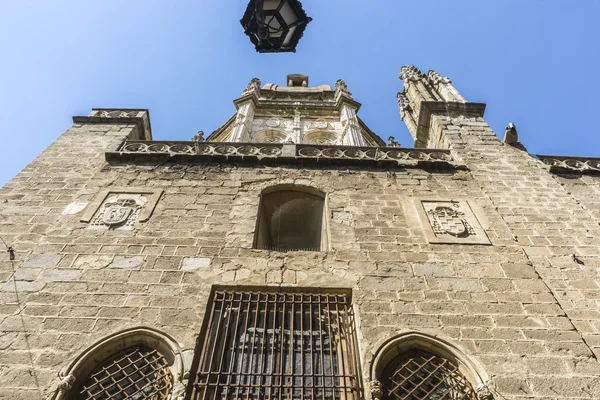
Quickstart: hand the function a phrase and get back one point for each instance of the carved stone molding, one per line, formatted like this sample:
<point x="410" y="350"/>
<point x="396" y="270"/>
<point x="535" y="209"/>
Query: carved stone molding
<point x="77" y="371"/>
<point x="121" y="208"/>
<point x="448" y="221"/>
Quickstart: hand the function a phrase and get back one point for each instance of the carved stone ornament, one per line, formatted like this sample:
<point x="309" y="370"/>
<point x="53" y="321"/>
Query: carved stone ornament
<point x="253" y="86"/>
<point x="392" y="142"/>
<point x="121" y="209"/>
<point x="449" y="221"/>
<point x="199" y="137"/>
<point x="118" y="114"/>
<point x="436" y="78"/>
<point x="342" y="88"/>
<point x="178" y="392"/>
<point x="410" y="73"/>
<point x="403" y="102"/>
<point x="484" y="393"/>
<point x="376" y="390"/>
<point x="66" y="383"/>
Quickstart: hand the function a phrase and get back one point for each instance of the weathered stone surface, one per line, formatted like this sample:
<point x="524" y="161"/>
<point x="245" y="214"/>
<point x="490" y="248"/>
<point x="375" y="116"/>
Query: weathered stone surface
<point x="523" y="307"/>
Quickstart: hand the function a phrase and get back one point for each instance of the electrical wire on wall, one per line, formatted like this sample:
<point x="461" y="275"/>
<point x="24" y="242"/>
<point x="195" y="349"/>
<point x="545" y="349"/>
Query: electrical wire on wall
<point x="11" y="256"/>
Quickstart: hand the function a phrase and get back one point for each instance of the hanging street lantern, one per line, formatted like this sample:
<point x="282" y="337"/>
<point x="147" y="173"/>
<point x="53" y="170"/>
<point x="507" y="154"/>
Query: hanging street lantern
<point x="275" y="26"/>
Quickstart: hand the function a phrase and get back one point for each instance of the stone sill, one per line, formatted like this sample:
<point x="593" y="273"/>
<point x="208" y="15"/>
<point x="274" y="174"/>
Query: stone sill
<point x="279" y="153"/>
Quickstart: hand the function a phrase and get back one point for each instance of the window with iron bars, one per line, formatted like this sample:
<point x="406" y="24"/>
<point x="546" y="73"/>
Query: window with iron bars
<point x="419" y="375"/>
<point x="136" y="373"/>
<point x="277" y="345"/>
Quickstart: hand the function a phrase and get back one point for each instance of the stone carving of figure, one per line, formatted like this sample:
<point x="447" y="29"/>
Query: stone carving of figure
<point x="410" y="73"/>
<point x="199" y="137"/>
<point x="510" y="135"/>
<point x="253" y="86"/>
<point x="436" y="78"/>
<point x="342" y="88"/>
<point x="392" y="142"/>
<point x="403" y="102"/>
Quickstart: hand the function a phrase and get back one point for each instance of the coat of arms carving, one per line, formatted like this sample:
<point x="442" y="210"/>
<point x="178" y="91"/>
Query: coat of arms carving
<point x="450" y="221"/>
<point x="119" y="212"/>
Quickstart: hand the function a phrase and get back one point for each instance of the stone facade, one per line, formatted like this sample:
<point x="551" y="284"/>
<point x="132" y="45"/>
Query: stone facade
<point x="521" y="304"/>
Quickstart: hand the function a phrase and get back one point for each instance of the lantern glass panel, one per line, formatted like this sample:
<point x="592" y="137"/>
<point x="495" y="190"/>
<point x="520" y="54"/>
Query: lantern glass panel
<point x="271" y="4"/>
<point x="289" y="16"/>
<point x="288" y="37"/>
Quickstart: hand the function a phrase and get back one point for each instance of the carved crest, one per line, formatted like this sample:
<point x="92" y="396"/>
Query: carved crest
<point x="449" y="219"/>
<point x="118" y="211"/>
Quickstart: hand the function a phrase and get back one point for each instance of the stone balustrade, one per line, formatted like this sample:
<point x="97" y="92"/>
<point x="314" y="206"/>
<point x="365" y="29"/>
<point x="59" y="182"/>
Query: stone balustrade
<point x="584" y="165"/>
<point x="146" y="150"/>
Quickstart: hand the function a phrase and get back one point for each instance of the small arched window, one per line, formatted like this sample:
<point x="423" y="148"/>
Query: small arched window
<point x="417" y="366"/>
<point x="420" y="375"/>
<point x="134" y="364"/>
<point x="291" y="218"/>
<point x="137" y="372"/>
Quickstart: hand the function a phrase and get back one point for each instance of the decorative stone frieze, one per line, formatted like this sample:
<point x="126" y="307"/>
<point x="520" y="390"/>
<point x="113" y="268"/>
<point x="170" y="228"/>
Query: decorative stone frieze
<point x="583" y="165"/>
<point x="449" y="221"/>
<point x="121" y="208"/>
<point x="283" y="152"/>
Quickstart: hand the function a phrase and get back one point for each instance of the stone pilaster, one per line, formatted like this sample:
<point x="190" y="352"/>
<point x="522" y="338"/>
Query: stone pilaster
<point x="242" y="127"/>
<point x="352" y="135"/>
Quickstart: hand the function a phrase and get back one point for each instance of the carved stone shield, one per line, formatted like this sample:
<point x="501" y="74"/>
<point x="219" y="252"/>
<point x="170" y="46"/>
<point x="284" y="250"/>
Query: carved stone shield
<point x="450" y="220"/>
<point x="118" y="211"/>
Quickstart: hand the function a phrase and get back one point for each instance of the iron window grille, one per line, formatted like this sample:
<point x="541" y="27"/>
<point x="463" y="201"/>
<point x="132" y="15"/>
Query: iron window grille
<point x="278" y="345"/>
<point x="136" y="373"/>
<point x="419" y="375"/>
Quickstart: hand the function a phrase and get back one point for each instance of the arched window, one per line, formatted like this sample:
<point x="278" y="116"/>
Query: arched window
<point x="134" y="364"/>
<point x="291" y="218"/>
<point x="420" y="375"/>
<point x="416" y="366"/>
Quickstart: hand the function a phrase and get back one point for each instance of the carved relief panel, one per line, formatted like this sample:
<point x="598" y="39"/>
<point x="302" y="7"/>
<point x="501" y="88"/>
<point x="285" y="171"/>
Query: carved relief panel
<point x="120" y="209"/>
<point x="449" y="221"/>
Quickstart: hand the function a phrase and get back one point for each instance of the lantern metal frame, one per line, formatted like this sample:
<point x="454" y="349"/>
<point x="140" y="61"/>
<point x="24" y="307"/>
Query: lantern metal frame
<point x="268" y="30"/>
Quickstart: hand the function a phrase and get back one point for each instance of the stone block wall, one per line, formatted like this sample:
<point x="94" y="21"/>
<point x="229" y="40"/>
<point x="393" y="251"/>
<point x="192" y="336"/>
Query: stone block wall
<point x="521" y="307"/>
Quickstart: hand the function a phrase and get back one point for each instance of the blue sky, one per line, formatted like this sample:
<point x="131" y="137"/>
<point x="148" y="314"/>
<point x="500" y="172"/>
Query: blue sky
<point x="533" y="62"/>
